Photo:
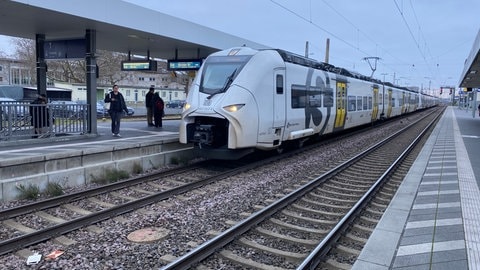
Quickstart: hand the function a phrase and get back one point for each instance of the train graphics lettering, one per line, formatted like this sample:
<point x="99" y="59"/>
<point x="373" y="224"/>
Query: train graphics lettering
<point x="310" y="96"/>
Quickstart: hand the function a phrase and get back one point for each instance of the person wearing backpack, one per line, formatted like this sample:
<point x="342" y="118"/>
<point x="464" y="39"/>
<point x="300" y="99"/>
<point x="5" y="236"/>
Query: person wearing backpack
<point x="158" y="109"/>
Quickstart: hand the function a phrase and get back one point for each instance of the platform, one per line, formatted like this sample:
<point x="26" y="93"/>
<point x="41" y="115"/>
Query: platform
<point x="77" y="161"/>
<point x="433" y="221"/>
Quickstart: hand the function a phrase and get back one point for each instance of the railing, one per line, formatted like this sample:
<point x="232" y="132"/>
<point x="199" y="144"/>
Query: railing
<point x="19" y="120"/>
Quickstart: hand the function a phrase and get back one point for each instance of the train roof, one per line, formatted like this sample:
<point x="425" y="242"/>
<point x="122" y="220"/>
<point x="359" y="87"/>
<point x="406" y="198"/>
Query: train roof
<point x="308" y="62"/>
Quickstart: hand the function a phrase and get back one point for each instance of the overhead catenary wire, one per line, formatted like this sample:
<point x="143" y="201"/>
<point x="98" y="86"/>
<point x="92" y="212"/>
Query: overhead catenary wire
<point x="348" y="43"/>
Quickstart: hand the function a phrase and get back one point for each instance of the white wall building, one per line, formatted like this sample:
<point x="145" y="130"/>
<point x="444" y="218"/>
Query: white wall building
<point x="14" y="72"/>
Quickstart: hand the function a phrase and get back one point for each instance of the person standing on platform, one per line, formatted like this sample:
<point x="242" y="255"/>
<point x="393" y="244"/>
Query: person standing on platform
<point x="40" y="116"/>
<point x="158" y="109"/>
<point x="149" y="105"/>
<point x="117" y="107"/>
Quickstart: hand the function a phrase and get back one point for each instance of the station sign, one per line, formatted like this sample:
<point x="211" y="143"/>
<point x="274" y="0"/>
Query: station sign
<point x="139" y="65"/>
<point x="65" y="49"/>
<point x="184" y="64"/>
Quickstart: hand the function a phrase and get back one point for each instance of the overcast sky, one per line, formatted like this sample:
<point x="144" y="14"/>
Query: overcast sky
<point x="418" y="42"/>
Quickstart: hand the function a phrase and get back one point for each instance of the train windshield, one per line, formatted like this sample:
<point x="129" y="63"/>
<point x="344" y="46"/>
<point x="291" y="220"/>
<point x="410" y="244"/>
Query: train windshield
<point x="220" y="71"/>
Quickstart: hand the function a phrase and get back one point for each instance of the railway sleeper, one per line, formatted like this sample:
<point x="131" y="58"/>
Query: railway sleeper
<point x="77" y="209"/>
<point x="346" y="191"/>
<point x="340" y="207"/>
<point x="298" y="228"/>
<point x="363" y="174"/>
<point x="291" y="256"/>
<point x="306" y="242"/>
<point x="381" y="201"/>
<point x="334" y="196"/>
<point x="360" y="182"/>
<point x="360" y="167"/>
<point x="376" y="208"/>
<point x="50" y="218"/>
<point x="376" y="214"/>
<point x="348" y="250"/>
<point x="318" y="212"/>
<point x="362" y="229"/>
<point x="351" y="182"/>
<point x="229" y="255"/>
<point x="308" y="219"/>
<point x="369" y="220"/>
<point x="334" y="264"/>
<point x="385" y="193"/>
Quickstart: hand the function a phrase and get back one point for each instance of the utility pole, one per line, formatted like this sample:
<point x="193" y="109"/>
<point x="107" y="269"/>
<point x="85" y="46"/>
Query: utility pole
<point x="384" y="76"/>
<point x="327" y="51"/>
<point x="306" y="49"/>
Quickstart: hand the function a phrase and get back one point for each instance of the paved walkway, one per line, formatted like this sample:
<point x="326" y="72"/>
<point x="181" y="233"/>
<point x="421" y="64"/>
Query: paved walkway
<point x="434" y="220"/>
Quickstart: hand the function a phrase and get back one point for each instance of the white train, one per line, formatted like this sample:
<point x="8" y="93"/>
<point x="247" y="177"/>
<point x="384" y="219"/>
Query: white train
<point x="244" y="99"/>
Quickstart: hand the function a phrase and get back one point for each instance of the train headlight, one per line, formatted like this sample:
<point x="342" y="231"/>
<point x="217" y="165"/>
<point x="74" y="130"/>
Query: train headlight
<point x="186" y="106"/>
<point x="233" y="108"/>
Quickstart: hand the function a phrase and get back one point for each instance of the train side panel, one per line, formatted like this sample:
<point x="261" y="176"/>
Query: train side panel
<point x="360" y="103"/>
<point x="309" y="102"/>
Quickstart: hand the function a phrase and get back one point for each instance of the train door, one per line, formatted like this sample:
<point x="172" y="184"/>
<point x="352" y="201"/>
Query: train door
<point x="409" y="103"/>
<point x="390" y="103"/>
<point x="279" y="96"/>
<point x="340" y="103"/>
<point x="375" y="103"/>
<point x="403" y="102"/>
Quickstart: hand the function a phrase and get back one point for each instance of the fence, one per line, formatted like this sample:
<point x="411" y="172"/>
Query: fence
<point x="19" y="120"/>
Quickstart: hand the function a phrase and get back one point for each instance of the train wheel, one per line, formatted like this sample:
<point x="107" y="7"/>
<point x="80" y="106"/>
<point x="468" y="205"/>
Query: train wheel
<point x="300" y="143"/>
<point x="280" y="149"/>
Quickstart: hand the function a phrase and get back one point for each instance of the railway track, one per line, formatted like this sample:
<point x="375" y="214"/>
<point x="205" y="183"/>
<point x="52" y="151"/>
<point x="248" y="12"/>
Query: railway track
<point x="66" y="213"/>
<point x="302" y="230"/>
<point x="57" y="216"/>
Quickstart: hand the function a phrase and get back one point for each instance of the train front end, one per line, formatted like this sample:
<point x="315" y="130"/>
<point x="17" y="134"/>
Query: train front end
<point x="221" y="114"/>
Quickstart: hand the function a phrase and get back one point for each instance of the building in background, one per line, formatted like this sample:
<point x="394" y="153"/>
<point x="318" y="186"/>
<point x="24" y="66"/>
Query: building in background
<point x="16" y="80"/>
<point x="15" y="72"/>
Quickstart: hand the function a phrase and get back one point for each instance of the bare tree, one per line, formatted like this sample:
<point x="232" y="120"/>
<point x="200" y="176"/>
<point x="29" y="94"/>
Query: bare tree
<point x="109" y="67"/>
<point x="25" y="51"/>
<point x="72" y="70"/>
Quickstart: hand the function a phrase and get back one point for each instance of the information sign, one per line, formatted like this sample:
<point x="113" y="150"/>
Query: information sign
<point x="188" y="64"/>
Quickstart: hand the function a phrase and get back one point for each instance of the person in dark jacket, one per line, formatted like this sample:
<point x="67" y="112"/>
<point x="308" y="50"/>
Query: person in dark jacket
<point x="117" y="107"/>
<point x="149" y="105"/>
<point x="40" y="115"/>
<point x="158" y="109"/>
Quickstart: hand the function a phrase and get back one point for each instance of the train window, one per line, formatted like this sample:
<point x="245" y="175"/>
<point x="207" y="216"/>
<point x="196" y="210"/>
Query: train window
<point x="359" y="103"/>
<point x="219" y="70"/>
<point x="370" y="103"/>
<point x="380" y="99"/>
<point x="393" y="102"/>
<point x="352" y="103"/>
<point x="365" y="103"/>
<point x="328" y="98"/>
<point x="315" y="101"/>
<point x="315" y="97"/>
<point x="279" y="83"/>
<point x="299" y="93"/>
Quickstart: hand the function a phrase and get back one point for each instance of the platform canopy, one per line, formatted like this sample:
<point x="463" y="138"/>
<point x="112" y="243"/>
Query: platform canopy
<point x="119" y="26"/>
<point x="471" y="73"/>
